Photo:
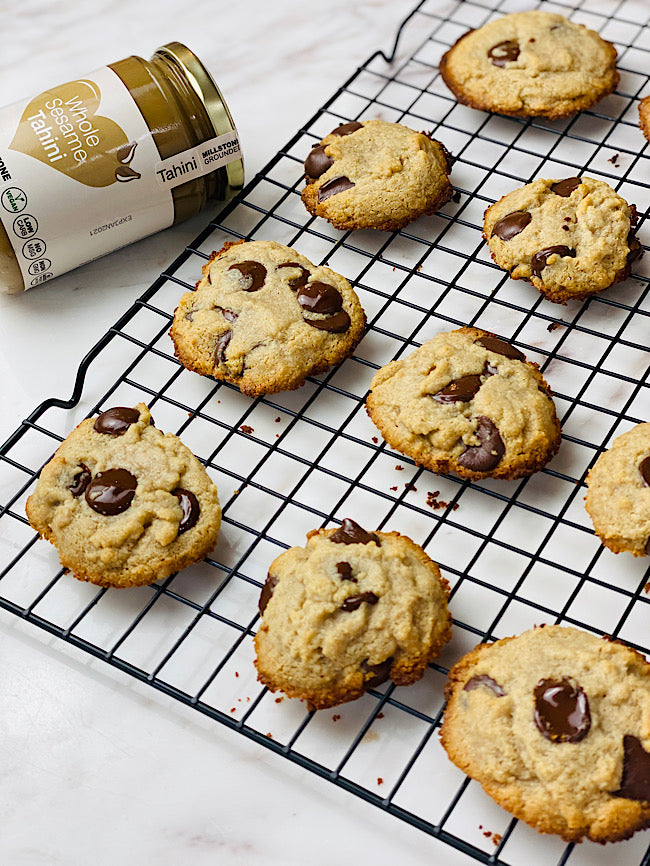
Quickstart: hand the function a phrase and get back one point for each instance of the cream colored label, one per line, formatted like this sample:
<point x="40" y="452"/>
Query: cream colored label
<point x="199" y="160"/>
<point x="77" y="176"/>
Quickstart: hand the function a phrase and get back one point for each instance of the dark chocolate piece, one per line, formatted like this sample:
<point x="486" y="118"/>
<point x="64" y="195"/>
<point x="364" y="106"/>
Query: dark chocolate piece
<point x="80" y="481"/>
<point x="561" y="711"/>
<point x="229" y="315"/>
<point x="297" y="282"/>
<point x="644" y="469"/>
<point x="320" y="298"/>
<point x="267" y="591"/>
<point x="221" y="346"/>
<point x="484" y="680"/>
<point x="111" y="492"/>
<point x="504" y="52"/>
<point x="539" y="260"/>
<point x="333" y="187"/>
<point x="635" y="778"/>
<point x="511" y="225"/>
<point x="487" y="455"/>
<point x="317" y="162"/>
<point x="344" y="570"/>
<point x="254" y="274"/>
<point x="347" y="128"/>
<point x="494" y="344"/>
<point x="116" y="421"/>
<point x="336" y="324"/>
<point x="565" y="187"/>
<point x="460" y="390"/>
<point x="379" y="673"/>
<point x="189" y="506"/>
<point x="351" y="533"/>
<point x="354" y="602"/>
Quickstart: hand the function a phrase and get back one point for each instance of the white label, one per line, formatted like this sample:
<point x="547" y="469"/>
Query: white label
<point x="199" y="160"/>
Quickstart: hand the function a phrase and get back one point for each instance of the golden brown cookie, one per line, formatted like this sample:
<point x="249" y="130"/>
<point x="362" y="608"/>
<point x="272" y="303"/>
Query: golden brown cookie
<point x="644" y="116"/>
<point x="530" y="64"/>
<point x="124" y="503"/>
<point x="347" y="612"/>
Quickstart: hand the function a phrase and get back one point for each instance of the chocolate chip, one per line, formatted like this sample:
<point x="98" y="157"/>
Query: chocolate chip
<point x="561" y="711"/>
<point x="297" y="282"/>
<point x="116" y="421"/>
<point x="351" y="533"/>
<point x="336" y="324"/>
<point x="347" y="128"/>
<point x="500" y="347"/>
<point x="377" y="674"/>
<point x="484" y="680"/>
<point x="644" y="469"/>
<point x="320" y="298"/>
<point x="565" y="187"/>
<point x="334" y="187"/>
<point x="510" y="225"/>
<point x="317" y="162"/>
<point x="111" y="492"/>
<point x="635" y="778"/>
<point x="229" y="315"/>
<point x="221" y="346"/>
<point x="80" y="481"/>
<point x="486" y="456"/>
<point x="504" y="52"/>
<point x="634" y="246"/>
<point x="189" y="315"/>
<point x="189" y="506"/>
<point x="345" y="571"/>
<point x="354" y="602"/>
<point x="267" y="591"/>
<point x="459" y="390"/>
<point x="539" y="260"/>
<point x="254" y="275"/>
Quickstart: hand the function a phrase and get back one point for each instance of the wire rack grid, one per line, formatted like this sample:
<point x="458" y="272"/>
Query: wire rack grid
<point x="515" y="553"/>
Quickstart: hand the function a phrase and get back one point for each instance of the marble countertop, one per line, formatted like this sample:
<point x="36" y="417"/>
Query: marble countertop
<point x="95" y="767"/>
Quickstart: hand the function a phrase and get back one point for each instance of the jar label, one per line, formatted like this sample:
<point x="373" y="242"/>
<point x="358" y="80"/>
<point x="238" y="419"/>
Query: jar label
<point x="199" y="160"/>
<point x="78" y="178"/>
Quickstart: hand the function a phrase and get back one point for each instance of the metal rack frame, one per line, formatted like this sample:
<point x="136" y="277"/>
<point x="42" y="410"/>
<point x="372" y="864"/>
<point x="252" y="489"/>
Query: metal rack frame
<point x="515" y="553"/>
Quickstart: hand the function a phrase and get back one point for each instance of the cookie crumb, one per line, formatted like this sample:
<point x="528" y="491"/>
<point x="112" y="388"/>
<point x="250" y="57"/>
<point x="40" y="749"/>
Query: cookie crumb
<point x="246" y="428"/>
<point x="375" y="440"/>
<point x="279" y="700"/>
<point x="614" y="160"/>
<point x="278" y="419"/>
<point x="380" y="715"/>
<point x="398" y="467"/>
<point x="336" y="717"/>
<point x="394" y="488"/>
<point x="380" y="781"/>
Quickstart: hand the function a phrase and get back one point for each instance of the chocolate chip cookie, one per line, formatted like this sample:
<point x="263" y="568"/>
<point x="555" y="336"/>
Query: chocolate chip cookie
<point x="376" y="175"/>
<point x="530" y="64"/>
<point x="264" y="318"/>
<point x="555" y="725"/>
<point x="644" y="116"/>
<point x="570" y="238"/>
<point x="467" y="402"/>
<point x="618" y="493"/>
<point x="347" y="612"/>
<point x="124" y="503"/>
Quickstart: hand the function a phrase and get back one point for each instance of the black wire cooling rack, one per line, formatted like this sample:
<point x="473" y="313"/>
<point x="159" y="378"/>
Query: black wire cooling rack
<point x="515" y="553"/>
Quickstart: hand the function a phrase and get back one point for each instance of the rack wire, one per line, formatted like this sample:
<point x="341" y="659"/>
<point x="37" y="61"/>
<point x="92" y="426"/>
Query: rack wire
<point x="515" y="553"/>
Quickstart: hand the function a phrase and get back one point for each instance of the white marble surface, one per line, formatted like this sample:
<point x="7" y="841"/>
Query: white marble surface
<point x="94" y="767"/>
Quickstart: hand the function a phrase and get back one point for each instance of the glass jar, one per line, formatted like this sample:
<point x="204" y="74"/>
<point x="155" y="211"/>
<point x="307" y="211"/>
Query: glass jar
<point x="96" y="163"/>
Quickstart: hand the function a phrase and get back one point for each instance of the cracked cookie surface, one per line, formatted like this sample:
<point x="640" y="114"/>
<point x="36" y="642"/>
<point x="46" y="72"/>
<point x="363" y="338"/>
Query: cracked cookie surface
<point x="264" y="318"/>
<point x="555" y="725"/>
<point x="347" y="612"/>
<point x="124" y="503"/>
<point x="570" y="237"/>
<point x="467" y="402"/>
<point x="377" y="175"/>
<point x="618" y="493"/>
<point x="530" y="64"/>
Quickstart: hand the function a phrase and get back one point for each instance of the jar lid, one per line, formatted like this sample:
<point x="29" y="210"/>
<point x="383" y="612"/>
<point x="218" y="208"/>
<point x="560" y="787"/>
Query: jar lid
<point x="206" y="89"/>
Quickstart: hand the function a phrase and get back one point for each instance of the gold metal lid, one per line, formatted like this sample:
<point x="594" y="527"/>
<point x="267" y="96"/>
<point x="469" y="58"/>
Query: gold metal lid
<point x="210" y="95"/>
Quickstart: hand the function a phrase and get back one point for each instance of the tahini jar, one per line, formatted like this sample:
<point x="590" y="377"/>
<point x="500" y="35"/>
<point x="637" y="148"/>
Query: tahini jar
<point x="99" y="162"/>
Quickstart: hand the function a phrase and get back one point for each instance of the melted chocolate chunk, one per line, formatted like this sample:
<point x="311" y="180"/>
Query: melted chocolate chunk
<point x="354" y="602"/>
<point x="320" y="298"/>
<point x="336" y="324"/>
<point x="634" y="246"/>
<point x="80" y="481"/>
<point x="484" y="680"/>
<point x="297" y="282"/>
<point x="229" y="315"/>
<point x="635" y="779"/>
<point x="459" y="390"/>
<point x="378" y="673"/>
<point x="561" y="711"/>
<point x="510" y="225"/>
<point x="539" y="260"/>
<point x="644" y="469"/>
<point x="334" y="187"/>
<point x="347" y="128"/>
<point x="565" y="187"/>
<point x="317" y="162"/>
<point x="345" y="571"/>
<point x="111" y="492"/>
<point x="494" y="344"/>
<point x="351" y="533"/>
<point x="189" y="506"/>
<point x="487" y="455"/>
<point x="254" y="275"/>
<point x="504" y="52"/>
<point x="267" y="591"/>
<point x="221" y="346"/>
<point x="116" y="421"/>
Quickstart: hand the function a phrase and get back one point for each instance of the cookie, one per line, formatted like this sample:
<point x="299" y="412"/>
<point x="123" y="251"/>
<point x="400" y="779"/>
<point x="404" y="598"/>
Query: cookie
<point x="570" y="238"/>
<point x="467" y="402"/>
<point x="530" y="64"/>
<point x="123" y="503"/>
<point x="618" y="493"/>
<point x="555" y="725"/>
<point x="644" y="116"/>
<point x="264" y="318"/>
<point x="347" y="612"/>
<point x="376" y="175"/>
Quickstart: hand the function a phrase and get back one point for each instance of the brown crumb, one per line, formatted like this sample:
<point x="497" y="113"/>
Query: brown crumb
<point x="646" y="588"/>
<point x="614" y="159"/>
<point x="270" y="735"/>
<point x="233" y="709"/>
<point x="410" y="486"/>
<point x="278" y="419"/>
<point x="336" y="717"/>
<point x="246" y="428"/>
<point x="380" y="715"/>
<point x="435" y="503"/>
<point x="394" y="488"/>
<point x="236" y="673"/>
<point x="375" y="440"/>
<point x="279" y="700"/>
<point x="552" y="326"/>
<point x="496" y="838"/>
<point x="380" y="781"/>
<point x="398" y="467"/>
